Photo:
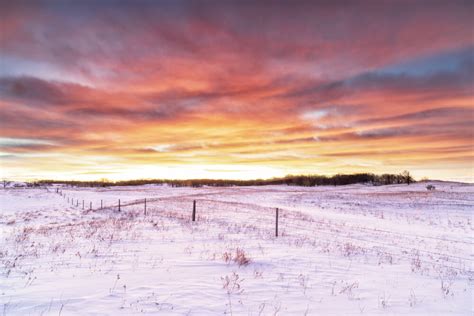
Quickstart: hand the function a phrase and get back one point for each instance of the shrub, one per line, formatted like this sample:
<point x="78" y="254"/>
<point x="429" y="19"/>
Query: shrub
<point x="241" y="258"/>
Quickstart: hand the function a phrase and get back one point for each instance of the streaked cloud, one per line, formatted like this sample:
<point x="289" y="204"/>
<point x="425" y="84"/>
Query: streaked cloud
<point x="180" y="89"/>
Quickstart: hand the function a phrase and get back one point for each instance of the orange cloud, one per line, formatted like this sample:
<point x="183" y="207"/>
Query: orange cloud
<point x="236" y="90"/>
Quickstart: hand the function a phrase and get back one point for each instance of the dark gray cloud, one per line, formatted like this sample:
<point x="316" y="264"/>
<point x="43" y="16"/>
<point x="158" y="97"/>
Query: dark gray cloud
<point x="32" y="91"/>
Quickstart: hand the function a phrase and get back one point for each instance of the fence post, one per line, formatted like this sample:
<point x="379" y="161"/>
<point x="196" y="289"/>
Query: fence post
<point x="77" y="202"/>
<point x="82" y="204"/>
<point x="119" y="205"/>
<point x="100" y="204"/>
<point x="276" y="223"/>
<point x="68" y="200"/>
<point x="145" y="206"/>
<point x="90" y="207"/>
<point x="194" y="210"/>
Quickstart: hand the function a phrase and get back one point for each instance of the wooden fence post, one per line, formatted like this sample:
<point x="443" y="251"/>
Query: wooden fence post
<point x="77" y="202"/>
<point x="90" y="207"/>
<point x="82" y="204"/>
<point x="194" y="210"/>
<point x="145" y="206"/>
<point x="100" y="204"/>
<point x="119" y="205"/>
<point x="276" y="223"/>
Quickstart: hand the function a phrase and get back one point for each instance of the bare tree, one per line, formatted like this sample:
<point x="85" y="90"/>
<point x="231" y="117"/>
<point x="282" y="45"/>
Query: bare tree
<point x="406" y="176"/>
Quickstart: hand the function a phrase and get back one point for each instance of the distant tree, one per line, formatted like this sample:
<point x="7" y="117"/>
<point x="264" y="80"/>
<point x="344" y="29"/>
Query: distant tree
<point x="406" y="176"/>
<point x="297" y="180"/>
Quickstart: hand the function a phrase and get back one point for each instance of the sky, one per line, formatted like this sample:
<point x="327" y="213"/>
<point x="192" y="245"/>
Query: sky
<point x="242" y="90"/>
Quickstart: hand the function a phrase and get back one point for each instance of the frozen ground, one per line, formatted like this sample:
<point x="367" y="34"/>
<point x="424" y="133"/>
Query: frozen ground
<point x="349" y="250"/>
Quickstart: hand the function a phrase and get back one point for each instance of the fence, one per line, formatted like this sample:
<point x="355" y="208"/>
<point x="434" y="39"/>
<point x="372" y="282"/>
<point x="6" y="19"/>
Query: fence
<point x="199" y="209"/>
<point x="240" y="217"/>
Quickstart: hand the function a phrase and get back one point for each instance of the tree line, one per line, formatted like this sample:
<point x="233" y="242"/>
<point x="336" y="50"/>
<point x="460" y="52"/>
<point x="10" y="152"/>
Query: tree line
<point x="296" y="180"/>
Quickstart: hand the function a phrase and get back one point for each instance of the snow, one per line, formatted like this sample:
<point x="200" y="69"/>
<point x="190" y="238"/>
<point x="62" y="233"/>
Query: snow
<point x="347" y="250"/>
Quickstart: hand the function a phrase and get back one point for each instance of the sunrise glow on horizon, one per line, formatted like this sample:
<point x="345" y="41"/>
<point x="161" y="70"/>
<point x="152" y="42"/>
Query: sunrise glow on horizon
<point x="236" y="90"/>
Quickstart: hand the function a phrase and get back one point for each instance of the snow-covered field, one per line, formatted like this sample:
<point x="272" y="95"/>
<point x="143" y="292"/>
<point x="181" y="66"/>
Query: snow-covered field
<point x="348" y="250"/>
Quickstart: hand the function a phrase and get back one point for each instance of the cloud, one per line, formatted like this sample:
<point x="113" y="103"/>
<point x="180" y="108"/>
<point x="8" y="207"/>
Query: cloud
<point x="148" y="39"/>
<point x="457" y="80"/>
<point x="179" y="83"/>
<point x="15" y="145"/>
<point x="436" y="114"/>
<point x="31" y="90"/>
<point x="458" y="130"/>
